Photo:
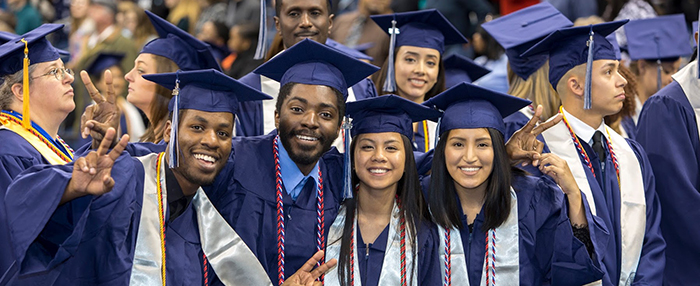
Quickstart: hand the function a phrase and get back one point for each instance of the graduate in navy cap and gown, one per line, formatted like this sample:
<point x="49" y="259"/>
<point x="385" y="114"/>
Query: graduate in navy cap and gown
<point x="459" y="68"/>
<point x="149" y="222"/>
<point x="414" y="68"/>
<point x="386" y="220"/>
<point x="29" y="132"/>
<point x="668" y="131"/>
<point x="173" y="50"/>
<point x="295" y="21"/>
<point x="281" y="191"/>
<point x="613" y="172"/>
<point x="497" y="225"/>
<point x="655" y="46"/>
<point x="527" y="76"/>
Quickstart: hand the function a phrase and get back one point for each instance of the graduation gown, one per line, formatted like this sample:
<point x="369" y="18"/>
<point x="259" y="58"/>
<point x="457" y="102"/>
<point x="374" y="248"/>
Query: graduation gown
<point x="650" y="267"/>
<point x="92" y="240"/>
<point x="250" y="119"/>
<point x="668" y="131"/>
<point x="16" y="155"/>
<point x="244" y="194"/>
<point x="549" y="254"/>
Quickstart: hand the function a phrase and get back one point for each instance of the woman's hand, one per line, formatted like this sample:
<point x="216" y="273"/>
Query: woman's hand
<point x="102" y="115"/>
<point x="557" y="168"/>
<point x="307" y="275"/>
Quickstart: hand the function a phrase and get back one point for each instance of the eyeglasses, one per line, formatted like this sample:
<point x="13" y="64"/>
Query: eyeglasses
<point x="59" y="74"/>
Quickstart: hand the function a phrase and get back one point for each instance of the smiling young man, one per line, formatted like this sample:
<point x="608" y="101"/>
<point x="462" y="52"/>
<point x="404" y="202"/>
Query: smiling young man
<point x="613" y="172"/>
<point x="149" y="223"/>
<point x="296" y="20"/>
<point x="281" y="191"/>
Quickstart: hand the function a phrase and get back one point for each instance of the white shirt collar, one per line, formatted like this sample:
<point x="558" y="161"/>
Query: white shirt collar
<point x="637" y="109"/>
<point x="583" y="130"/>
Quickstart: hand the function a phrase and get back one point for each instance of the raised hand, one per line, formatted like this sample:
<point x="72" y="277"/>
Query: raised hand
<point x="92" y="173"/>
<point x="557" y="168"/>
<point x="307" y="275"/>
<point x="523" y="147"/>
<point x="101" y="115"/>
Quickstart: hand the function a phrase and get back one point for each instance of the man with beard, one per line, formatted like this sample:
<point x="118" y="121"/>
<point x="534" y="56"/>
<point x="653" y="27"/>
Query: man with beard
<point x="296" y="20"/>
<point x="150" y="222"/>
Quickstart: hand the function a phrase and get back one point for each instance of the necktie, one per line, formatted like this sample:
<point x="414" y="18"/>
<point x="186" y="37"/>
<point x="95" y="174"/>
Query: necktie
<point x="598" y="146"/>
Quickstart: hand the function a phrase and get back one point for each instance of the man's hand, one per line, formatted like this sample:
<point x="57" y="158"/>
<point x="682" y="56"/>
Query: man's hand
<point x="92" y="173"/>
<point x="101" y="115"/>
<point x="306" y="275"/>
<point x="523" y="147"/>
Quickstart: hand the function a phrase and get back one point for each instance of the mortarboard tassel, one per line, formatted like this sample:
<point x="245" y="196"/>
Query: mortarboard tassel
<point x="261" y="49"/>
<point x="390" y="81"/>
<point x="173" y="147"/>
<point x="658" y="63"/>
<point x="589" y="70"/>
<point x="26" y="122"/>
<point x="347" y="172"/>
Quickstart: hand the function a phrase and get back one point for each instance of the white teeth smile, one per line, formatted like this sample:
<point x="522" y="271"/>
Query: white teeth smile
<point x="470" y="169"/>
<point x="307" y="138"/>
<point x="417" y="82"/>
<point x="205" y="158"/>
<point x="378" y="171"/>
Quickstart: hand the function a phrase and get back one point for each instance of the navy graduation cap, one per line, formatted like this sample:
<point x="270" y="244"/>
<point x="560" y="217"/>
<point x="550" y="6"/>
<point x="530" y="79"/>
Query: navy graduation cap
<point x="425" y="29"/>
<point x="24" y="50"/>
<point x="102" y="62"/>
<point x="616" y="46"/>
<point x="309" y="62"/>
<point x="348" y="50"/>
<point x="520" y="30"/>
<point x="467" y="106"/>
<point x="568" y="48"/>
<point x="459" y="68"/>
<point x="179" y="46"/>
<point x="662" y="38"/>
<point x="658" y="38"/>
<point x="206" y="90"/>
<point x="386" y="113"/>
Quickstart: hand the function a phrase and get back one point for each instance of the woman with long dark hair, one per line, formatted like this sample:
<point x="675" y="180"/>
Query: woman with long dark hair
<point x="414" y="68"/>
<point x="382" y="235"/>
<point x="498" y="226"/>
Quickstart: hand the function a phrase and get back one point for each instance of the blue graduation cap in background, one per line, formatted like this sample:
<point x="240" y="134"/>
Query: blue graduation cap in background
<point x="520" y="30"/>
<point x="206" y="90"/>
<point x="102" y="62"/>
<point x="467" y="106"/>
<point x="179" y="46"/>
<point x="425" y="29"/>
<point x="662" y="38"/>
<point x="20" y="52"/>
<point x="459" y="68"/>
<point x="616" y="46"/>
<point x="569" y="47"/>
<point x="309" y="62"/>
<point x="348" y="50"/>
<point x="386" y="113"/>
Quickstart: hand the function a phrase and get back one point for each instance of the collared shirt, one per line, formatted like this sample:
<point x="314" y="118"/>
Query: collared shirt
<point x="583" y="130"/>
<point x="292" y="178"/>
<point x="177" y="201"/>
<point x="637" y="109"/>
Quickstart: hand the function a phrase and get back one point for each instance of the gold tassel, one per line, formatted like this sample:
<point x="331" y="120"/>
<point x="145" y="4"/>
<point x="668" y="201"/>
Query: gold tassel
<point x="26" y="123"/>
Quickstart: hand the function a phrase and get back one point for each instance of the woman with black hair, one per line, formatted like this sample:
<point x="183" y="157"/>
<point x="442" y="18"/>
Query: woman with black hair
<point x="498" y="226"/>
<point x="382" y="235"/>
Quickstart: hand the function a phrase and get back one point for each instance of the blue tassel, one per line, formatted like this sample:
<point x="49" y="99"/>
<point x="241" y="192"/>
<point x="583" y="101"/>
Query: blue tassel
<point x="173" y="146"/>
<point x="658" y="74"/>
<point x="261" y="49"/>
<point x="589" y="70"/>
<point x="390" y="80"/>
<point x="347" y="172"/>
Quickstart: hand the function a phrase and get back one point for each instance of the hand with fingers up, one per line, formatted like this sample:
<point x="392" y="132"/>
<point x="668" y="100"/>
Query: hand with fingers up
<point x="523" y="147"/>
<point x="92" y="174"/>
<point x="307" y="275"/>
<point x="103" y="114"/>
